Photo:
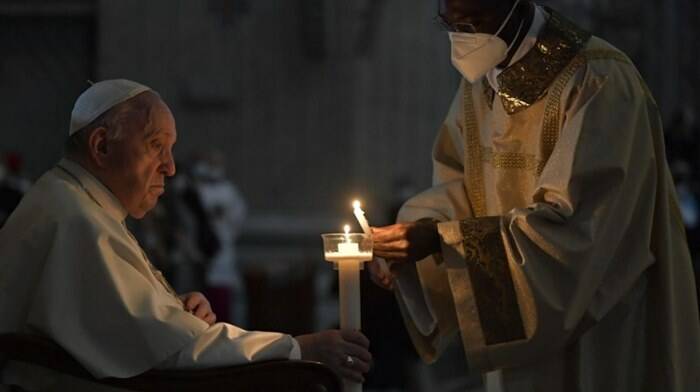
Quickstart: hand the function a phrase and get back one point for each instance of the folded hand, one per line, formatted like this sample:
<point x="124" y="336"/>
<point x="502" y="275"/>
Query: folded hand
<point x="197" y="304"/>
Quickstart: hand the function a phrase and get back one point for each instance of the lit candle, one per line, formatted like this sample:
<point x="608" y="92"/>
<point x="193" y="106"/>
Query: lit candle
<point x="360" y="216"/>
<point x="347" y="247"/>
<point x="348" y="252"/>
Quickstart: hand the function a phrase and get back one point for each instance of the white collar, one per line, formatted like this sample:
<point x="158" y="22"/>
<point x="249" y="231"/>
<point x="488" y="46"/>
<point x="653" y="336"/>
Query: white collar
<point x="95" y="189"/>
<point x="538" y="22"/>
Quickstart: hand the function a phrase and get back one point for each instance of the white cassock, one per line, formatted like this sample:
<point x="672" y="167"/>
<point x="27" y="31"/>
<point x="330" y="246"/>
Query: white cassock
<point x="564" y="264"/>
<point x="72" y="272"/>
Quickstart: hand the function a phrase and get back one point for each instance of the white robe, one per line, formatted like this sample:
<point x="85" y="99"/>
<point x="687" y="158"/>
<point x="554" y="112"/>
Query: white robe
<point x="564" y="265"/>
<point x="72" y="272"/>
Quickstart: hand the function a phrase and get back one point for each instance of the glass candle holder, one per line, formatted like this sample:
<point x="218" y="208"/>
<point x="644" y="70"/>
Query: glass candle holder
<point x="341" y="247"/>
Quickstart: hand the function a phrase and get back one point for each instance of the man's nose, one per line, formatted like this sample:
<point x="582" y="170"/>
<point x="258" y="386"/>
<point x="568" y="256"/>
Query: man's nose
<point x="168" y="166"/>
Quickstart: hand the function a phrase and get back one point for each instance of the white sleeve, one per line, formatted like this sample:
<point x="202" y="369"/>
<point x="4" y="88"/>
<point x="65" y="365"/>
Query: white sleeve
<point x="224" y="344"/>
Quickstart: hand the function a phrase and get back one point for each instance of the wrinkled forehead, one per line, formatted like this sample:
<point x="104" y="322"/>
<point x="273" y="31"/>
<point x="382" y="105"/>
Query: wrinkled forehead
<point x="146" y="115"/>
<point x="160" y="120"/>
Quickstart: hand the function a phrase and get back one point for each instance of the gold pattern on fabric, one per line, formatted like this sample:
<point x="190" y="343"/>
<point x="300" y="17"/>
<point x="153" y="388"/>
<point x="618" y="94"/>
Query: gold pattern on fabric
<point x="551" y="125"/>
<point x="470" y="326"/>
<point x="462" y="291"/>
<point x="475" y="180"/>
<point x="510" y="160"/>
<point x="527" y="81"/>
<point x="606" y="54"/>
<point x="491" y="281"/>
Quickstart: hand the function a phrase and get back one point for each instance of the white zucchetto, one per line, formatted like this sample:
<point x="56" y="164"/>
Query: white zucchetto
<point x="99" y="98"/>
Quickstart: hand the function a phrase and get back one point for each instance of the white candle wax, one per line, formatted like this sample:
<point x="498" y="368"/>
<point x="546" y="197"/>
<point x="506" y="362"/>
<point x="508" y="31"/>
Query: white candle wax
<point x="360" y="216"/>
<point x="348" y="251"/>
<point x="349" y="258"/>
<point x="342" y="256"/>
<point x="348" y="247"/>
<point x="349" y="291"/>
<point x="349" y="302"/>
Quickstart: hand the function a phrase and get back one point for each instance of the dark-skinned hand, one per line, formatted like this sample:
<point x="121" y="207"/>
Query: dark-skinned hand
<point x="379" y="276"/>
<point x="406" y="242"/>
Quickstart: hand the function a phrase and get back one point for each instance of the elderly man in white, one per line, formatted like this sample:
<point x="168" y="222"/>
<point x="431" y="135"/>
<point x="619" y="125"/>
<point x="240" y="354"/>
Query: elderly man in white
<point x="73" y="272"/>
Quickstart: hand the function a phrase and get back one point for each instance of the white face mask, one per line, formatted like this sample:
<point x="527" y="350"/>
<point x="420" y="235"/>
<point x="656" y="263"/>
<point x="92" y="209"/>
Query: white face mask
<point x="475" y="54"/>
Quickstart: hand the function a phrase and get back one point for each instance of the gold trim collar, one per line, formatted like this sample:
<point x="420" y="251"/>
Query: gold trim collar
<point x="525" y="82"/>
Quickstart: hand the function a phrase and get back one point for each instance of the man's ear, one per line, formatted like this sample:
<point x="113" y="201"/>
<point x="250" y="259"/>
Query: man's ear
<point x="97" y="145"/>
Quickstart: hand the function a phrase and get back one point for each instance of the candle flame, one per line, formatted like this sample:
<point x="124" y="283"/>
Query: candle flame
<point x="356" y="204"/>
<point x="346" y="228"/>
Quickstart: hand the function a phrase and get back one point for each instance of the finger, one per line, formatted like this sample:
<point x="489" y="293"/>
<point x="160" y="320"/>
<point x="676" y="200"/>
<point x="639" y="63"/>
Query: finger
<point x="376" y="271"/>
<point x="359" y="353"/>
<point x="387" y="236"/>
<point x="192" y="300"/>
<point x="398" y="245"/>
<point x="394" y="255"/>
<point x="355" y="337"/>
<point x="390" y="233"/>
<point x="388" y="283"/>
<point x="351" y="374"/>
<point x="202" y="310"/>
<point x="360" y="365"/>
<point x="382" y="281"/>
<point x="210" y="318"/>
<point x="380" y="277"/>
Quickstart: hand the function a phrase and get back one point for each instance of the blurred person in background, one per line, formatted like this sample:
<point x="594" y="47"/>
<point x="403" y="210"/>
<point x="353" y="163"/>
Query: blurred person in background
<point x="177" y="234"/>
<point x="225" y="211"/>
<point x="13" y="184"/>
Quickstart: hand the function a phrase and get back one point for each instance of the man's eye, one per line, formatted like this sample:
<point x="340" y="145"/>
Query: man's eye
<point x="157" y="145"/>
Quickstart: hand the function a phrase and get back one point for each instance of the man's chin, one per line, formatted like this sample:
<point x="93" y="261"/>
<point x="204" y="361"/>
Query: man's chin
<point x="138" y="214"/>
<point x="145" y="207"/>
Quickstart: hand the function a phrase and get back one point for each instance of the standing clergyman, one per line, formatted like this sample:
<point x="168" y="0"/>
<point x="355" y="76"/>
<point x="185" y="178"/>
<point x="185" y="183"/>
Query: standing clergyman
<point x="551" y="238"/>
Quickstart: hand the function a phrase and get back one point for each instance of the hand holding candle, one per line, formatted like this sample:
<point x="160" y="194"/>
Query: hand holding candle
<point x="360" y="216"/>
<point x="348" y="251"/>
<point x="407" y="242"/>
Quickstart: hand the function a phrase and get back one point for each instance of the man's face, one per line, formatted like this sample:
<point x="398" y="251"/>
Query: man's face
<point x="485" y="15"/>
<point x="139" y="161"/>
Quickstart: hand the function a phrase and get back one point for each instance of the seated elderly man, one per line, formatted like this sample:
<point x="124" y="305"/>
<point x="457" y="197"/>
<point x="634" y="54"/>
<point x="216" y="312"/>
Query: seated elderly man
<point x="72" y="271"/>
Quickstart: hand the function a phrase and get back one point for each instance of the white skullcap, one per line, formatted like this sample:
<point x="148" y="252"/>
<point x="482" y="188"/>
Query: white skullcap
<point x="99" y="98"/>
